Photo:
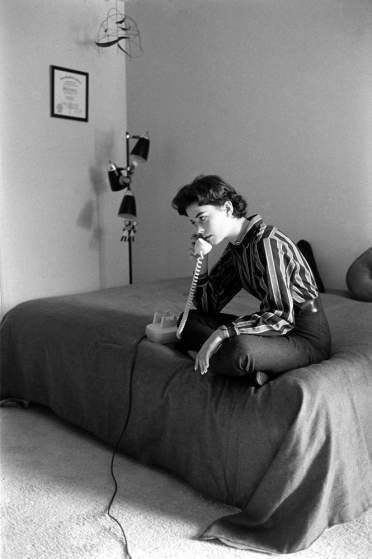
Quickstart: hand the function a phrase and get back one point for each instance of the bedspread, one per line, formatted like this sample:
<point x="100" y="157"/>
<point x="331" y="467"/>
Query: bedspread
<point x="294" y="455"/>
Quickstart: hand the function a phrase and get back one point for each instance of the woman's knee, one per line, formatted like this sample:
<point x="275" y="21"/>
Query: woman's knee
<point x="233" y="360"/>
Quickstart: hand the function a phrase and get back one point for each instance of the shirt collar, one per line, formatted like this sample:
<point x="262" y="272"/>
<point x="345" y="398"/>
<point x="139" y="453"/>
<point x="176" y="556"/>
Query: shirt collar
<point x="250" y="222"/>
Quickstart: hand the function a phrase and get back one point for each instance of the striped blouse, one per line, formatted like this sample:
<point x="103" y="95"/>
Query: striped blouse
<point x="267" y="264"/>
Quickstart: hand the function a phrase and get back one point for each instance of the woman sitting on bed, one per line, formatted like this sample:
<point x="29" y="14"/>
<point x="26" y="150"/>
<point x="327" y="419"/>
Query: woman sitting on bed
<point x="289" y="330"/>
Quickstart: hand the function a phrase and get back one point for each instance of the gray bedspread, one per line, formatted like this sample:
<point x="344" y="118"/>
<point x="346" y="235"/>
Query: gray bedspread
<point x="294" y="456"/>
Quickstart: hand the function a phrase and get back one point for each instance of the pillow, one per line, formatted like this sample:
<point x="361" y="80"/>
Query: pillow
<point x="307" y="252"/>
<point x="359" y="277"/>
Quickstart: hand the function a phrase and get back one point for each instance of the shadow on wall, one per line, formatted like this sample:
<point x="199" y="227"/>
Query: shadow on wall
<point x="90" y="216"/>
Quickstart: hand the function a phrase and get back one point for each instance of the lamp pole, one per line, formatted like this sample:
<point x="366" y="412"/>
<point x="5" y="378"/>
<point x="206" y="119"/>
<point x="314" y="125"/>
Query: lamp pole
<point x="121" y="177"/>
<point x="127" y="138"/>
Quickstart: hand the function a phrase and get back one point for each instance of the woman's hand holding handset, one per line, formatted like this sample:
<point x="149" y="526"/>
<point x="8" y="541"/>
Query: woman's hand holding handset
<point x="202" y="247"/>
<point x="199" y="246"/>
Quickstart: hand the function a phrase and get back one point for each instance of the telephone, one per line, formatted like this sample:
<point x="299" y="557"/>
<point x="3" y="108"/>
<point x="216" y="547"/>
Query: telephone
<point x="164" y="325"/>
<point x="201" y="248"/>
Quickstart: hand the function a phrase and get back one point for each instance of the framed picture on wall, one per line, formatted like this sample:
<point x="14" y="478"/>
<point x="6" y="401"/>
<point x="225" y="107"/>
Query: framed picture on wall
<point x="69" y="93"/>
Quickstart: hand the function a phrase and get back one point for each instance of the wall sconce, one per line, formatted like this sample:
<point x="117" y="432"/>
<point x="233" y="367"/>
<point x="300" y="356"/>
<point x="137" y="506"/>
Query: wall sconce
<point x="120" y="178"/>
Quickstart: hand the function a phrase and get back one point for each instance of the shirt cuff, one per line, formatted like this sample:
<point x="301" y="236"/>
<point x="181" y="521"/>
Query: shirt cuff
<point x="231" y="330"/>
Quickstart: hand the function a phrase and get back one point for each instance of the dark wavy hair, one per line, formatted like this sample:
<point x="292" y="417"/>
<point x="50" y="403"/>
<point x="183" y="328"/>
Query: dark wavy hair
<point x="209" y="189"/>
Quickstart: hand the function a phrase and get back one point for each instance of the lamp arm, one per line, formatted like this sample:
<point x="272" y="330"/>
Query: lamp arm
<point x="127" y="138"/>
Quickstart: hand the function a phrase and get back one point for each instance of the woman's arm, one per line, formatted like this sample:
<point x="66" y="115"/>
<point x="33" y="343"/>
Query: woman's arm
<point x="282" y="272"/>
<point x="215" y="290"/>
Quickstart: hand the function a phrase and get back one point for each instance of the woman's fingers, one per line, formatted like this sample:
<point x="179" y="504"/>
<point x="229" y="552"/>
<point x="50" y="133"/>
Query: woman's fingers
<point x="194" y="238"/>
<point x="201" y="364"/>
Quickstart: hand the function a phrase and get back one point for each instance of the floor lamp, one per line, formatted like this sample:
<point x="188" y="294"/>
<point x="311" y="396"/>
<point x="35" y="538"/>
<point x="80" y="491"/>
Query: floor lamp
<point x="120" y="178"/>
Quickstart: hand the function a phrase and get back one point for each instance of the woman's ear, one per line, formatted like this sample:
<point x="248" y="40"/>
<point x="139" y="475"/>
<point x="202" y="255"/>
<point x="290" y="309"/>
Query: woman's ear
<point x="229" y="208"/>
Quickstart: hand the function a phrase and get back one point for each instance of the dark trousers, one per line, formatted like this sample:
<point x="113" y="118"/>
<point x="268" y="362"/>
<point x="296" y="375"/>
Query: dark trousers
<point x="309" y="342"/>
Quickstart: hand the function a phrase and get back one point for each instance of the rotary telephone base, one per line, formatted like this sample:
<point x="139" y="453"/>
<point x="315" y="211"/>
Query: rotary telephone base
<point x="163" y="329"/>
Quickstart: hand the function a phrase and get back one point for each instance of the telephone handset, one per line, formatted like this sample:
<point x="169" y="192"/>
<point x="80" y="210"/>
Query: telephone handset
<point x="163" y="328"/>
<point x="201" y="249"/>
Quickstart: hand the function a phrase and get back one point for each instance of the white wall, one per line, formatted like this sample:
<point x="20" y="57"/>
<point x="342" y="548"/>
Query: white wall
<point x="58" y="227"/>
<point x="275" y="97"/>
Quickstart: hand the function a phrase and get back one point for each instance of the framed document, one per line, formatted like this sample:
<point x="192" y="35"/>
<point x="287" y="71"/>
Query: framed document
<point x="69" y="93"/>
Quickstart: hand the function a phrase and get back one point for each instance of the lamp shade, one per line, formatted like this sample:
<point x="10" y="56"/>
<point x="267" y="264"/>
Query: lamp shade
<point x="116" y="178"/>
<point x="142" y="147"/>
<point x="127" y="208"/>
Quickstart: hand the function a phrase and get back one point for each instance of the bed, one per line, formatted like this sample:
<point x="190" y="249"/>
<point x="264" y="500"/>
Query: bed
<point x="294" y="456"/>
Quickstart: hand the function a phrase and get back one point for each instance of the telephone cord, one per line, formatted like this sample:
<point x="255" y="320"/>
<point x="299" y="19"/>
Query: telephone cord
<point x="116" y="448"/>
<point x="190" y="296"/>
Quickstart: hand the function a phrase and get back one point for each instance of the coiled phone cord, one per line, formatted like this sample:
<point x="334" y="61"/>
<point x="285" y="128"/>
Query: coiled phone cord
<point x="190" y="297"/>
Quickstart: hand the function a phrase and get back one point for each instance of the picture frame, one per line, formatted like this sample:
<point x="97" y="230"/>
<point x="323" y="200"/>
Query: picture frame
<point x="69" y="93"/>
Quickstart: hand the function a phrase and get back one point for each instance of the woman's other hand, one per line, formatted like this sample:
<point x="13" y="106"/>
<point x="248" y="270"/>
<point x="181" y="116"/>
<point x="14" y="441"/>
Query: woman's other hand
<point x="206" y="351"/>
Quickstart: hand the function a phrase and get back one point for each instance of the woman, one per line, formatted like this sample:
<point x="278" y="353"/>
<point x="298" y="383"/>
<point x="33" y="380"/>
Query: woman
<point x="289" y="330"/>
